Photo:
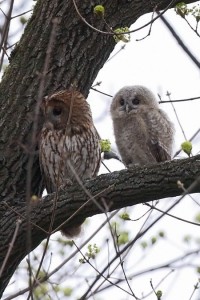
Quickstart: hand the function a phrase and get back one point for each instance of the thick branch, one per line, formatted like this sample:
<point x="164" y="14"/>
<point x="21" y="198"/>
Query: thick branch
<point x="117" y="190"/>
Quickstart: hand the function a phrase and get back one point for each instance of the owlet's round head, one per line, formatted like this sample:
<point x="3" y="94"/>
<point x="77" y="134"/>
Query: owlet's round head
<point x="66" y="107"/>
<point x="132" y="99"/>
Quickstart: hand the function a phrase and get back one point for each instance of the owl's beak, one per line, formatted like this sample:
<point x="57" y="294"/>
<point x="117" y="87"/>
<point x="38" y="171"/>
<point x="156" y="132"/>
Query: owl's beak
<point x="128" y="108"/>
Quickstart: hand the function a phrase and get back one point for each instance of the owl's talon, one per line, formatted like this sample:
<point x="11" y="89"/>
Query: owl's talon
<point x="66" y="184"/>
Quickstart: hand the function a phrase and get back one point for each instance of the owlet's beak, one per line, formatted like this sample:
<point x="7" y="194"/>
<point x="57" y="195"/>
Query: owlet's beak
<point x="128" y="108"/>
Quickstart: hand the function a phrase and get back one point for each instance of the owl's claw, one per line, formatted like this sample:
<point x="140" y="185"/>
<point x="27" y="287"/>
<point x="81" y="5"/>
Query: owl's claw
<point x="66" y="184"/>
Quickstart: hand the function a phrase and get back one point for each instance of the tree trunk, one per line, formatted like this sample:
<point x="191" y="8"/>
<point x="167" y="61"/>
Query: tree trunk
<point x="56" y="50"/>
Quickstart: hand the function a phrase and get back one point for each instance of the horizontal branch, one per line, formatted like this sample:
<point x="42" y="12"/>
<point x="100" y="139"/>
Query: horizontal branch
<point x="110" y="191"/>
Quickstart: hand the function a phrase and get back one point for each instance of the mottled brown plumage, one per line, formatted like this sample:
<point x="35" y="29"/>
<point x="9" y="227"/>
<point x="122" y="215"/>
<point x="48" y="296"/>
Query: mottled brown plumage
<point x="143" y="132"/>
<point x="69" y="148"/>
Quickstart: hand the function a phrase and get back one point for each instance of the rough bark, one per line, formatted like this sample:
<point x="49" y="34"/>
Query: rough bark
<point x="77" y="54"/>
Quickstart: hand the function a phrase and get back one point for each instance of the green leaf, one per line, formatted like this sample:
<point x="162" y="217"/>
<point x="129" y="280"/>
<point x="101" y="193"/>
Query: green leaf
<point x="23" y="20"/>
<point x="123" y="238"/>
<point x="67" y="291"/>
<point x="153" y="240"/>
<point x="99" y="10"/>
<point x="187" y="147"/>
<point x="159" y="294"/>
<point x="121" y="35"/>
<point x="105" y="145"/>
<point x="144" y="245"/>
<point x="125" y="217"/>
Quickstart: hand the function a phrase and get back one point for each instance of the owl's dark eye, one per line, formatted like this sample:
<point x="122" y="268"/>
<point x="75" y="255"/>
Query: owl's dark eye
<point x="121" y="101"/>
<point x="135" y="101"/>
<point x="57" y="111"/>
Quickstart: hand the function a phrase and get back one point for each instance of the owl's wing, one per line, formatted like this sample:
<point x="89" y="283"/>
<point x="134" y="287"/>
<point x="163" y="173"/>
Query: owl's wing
<point x="46" y="182"/>
<point x="158" y="151"/>
<point x="160" y="135"/>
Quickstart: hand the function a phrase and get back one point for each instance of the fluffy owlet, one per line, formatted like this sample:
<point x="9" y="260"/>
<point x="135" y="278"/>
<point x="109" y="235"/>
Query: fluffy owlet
<point x="143" y="132"/>
<point x="69" y="147"/>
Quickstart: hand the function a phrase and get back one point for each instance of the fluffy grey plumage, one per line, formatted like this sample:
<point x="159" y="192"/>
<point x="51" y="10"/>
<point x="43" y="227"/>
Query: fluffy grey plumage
<point x="143" y="132"/>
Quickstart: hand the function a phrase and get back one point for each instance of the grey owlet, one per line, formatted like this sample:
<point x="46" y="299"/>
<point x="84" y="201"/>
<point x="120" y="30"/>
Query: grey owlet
<point x="143" y="132"/>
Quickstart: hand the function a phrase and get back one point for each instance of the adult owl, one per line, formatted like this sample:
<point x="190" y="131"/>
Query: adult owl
<point x="143" y="132"/>
<point x="69" y="147"/>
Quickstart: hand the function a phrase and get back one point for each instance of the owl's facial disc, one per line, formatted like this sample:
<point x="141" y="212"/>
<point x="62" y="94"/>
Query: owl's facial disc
<point x="57" y="114"/>
<point x="132" y="105"/>
<point x="128" y="104"/>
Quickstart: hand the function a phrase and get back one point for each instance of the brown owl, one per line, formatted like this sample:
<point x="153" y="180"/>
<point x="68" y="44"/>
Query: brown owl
<point x="143" y="132"/>
<point x="69" y="147"/>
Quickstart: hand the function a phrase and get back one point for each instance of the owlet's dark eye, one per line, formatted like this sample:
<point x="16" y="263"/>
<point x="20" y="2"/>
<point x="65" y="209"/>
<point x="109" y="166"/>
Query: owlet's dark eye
<point x="135" y="101"/>
<point x="57" y="111"/>
<point x="121" y="101"/>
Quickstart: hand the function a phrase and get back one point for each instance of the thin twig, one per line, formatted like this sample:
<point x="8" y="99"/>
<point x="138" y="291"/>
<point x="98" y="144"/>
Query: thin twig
<point x="196" y="286"/>
<point x="100" y="92"/>
<point x="6" y="32"/>
<point x="122" y="266"/>
<point x="126" y="253"/>
<point x="23" y="217"/>
<point x="22" y="14"/>
<point x="110" y="58"/>
<point x="180" y="42"/>
<point x="47" y="276"/>
<point x="127" y="32"/>
<point x="99" y="274"/>
<point x="181" y="127"/>
<point x="172" y="216"/>
<point x="195" y="30"/>
<point x="156" y="268"/>
<point x="179" y="100"/>
<point x="148" y="34"/>
<point x="18" y="222"/>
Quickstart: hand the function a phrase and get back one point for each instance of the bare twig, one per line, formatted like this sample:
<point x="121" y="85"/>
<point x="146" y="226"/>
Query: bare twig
<point x="168" y="94"/>
<point x="127" y="32"/>
<point x="156" y="268"/>
<point x="18" y="222"/>
<point x="172" y="216"/>
<point x="100" y="92"/>
<point x="26" y="12"/>
<point x="193" y="29"/>
<point x="122" y="266"/>
<point x="179" y="100"/>
<point x="180" y="42"/>
<point x="47" y="276"/>
<point x="196" y="287"/>
<point x="99" y="274"/>
<point x="6" y="32"/>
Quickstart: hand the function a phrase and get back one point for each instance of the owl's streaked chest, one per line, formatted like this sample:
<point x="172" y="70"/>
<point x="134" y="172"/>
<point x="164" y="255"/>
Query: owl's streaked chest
<point x="62" y="155"/>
